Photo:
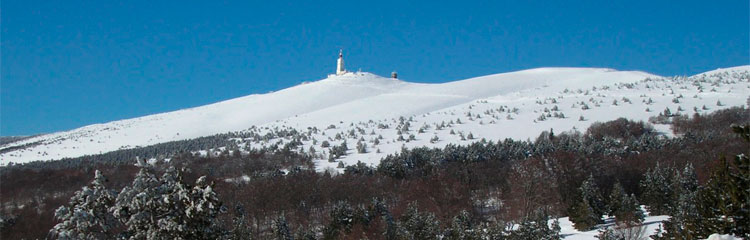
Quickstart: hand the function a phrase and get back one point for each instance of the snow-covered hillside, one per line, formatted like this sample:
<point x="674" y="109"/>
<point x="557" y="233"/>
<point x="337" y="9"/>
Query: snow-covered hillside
<point x="387" y="114"/>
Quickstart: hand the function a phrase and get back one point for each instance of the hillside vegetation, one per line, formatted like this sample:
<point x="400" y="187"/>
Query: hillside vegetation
<point x="474" y="191"/>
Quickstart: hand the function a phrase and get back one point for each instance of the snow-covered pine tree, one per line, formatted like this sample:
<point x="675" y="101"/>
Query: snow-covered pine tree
<point x="281" y="229"/>
<point x="685" y="212"/>
<point x="721" y="204"/>
<point x="583" y="216"/>
<point x="536" y="226"/>
<point x="305" y="233"/>
<point x="724" y="202"/>
<point x="417" y="225"/>
<point x="87" y="216"/>
<point x="240" y="229"/>
<point x="616" y="197"/>
<point x="657" y="190"/>
<point x="590" y="192"/>
<point x="361" y="147"/>
<point x="341" y="220"/>
<point x="167" y="208"/>
<point x="685" y="181"/>
<point x="629" y="213"/>
<point x="461" y="228"/>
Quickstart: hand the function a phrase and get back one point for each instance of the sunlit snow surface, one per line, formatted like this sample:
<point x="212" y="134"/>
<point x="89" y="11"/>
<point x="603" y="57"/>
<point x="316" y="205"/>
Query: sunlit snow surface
<point x="643" y="231"/>
<point x="568" y="232"/>
<point x="364" y="100"/>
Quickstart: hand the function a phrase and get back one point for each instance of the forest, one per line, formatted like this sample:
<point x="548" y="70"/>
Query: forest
<point x="490" y="189"/>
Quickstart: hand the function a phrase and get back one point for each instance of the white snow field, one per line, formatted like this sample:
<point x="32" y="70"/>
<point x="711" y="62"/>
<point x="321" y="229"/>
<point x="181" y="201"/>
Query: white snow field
<point x="365" y="107"/>
<point x="649" y="227"/>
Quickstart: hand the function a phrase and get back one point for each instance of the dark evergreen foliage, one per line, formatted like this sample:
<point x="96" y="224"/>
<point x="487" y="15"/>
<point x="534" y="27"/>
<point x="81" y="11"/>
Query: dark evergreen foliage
<point x="583" y="216"/>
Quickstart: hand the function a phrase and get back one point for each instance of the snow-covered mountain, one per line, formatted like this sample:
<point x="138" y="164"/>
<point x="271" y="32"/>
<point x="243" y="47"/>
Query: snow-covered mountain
<point x="374" y="110"/>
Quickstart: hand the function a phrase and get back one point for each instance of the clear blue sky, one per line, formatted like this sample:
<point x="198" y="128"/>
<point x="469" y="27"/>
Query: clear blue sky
<point x="67" y="64"/>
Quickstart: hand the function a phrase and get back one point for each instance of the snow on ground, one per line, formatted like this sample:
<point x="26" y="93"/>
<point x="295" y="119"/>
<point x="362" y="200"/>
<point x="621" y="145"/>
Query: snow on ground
<point x="717" y="236"/>
<point x="364" y="106"/>
<point x="568" y="232"/>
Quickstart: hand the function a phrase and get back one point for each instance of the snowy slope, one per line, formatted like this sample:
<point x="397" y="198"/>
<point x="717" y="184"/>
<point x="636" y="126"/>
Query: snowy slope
<point x="414" y="99"/>
<point x="493" y="107"/>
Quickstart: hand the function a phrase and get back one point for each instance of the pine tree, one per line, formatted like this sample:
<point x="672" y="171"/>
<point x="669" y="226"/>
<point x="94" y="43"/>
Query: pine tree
<point x="583" y="216"/>
<point x="305" y="234"/>
<point x="724" y="201"/>
<point x="616" y="198"/>
<point x="342" y="219"/>
<point x="628" y="221"/>
<point x="657" y="190"/>
<point x="361" y="147"/>
<point x="167" y="208"/>
<point x="416" y="225"/>
<point x="685" y="213"/>
<point x="537" y="227"/>
<point x="719" y="206"/>
<point x="240" y="229"/>
<point x="590" y="193"/>
<point x="87" y="216"/>
<point x="461" y="228"/>
<point x="281" y="229"/>
<point x="630" y="211"/>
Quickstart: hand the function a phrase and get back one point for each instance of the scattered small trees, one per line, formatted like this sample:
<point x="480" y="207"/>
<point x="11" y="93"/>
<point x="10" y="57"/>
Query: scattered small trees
<point x="361" y="147"/>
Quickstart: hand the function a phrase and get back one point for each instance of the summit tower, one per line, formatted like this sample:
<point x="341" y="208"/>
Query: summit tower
<point x="340" y="64"/>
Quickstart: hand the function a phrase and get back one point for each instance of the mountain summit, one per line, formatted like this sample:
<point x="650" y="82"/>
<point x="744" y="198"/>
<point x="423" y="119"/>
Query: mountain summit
<point x="508" y="105"/>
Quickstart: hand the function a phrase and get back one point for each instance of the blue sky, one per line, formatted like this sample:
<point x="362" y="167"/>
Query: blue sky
<point x="67" y="64"/>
